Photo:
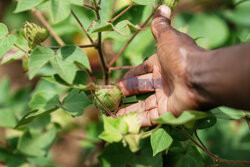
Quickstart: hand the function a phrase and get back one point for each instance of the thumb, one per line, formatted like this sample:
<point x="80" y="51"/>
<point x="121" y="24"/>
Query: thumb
<point x="161" y="21"/>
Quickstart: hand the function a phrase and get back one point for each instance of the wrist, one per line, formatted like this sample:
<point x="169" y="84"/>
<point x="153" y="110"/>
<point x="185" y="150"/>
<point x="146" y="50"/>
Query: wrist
<point x="199" y="78"/>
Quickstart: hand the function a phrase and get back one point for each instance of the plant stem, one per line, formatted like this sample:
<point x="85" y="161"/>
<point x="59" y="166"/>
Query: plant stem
<point x="80" y="46"/>
<point x="149" y="133"/>
<point x="99" y="47"/>
<point x="116" y="17"/>
<point x="120" y="68"/>
<point x="214" y="157"/>
<point x="129" y="41"/>
<point x="196" y="135"/>
<point x="20" y="48"/>
<point x="42" y="19"/>
<point x="85" y="31"/>
<point x="89" y="6"/>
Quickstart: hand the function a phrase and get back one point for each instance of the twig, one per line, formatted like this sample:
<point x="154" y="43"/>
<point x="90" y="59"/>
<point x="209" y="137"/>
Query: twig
<point x="99" y="47"/>
<point x="116" y="17"/>
<point x="42" y="19"/>
<point x="129" y="41"/>
<point x="196" y="135"/>
<point x="120" y="68"/>
<point x="149" y="133"/>
<point x="89" y="6"/>
<point x="20" y="48"/>
<point x="85" y="31"/>
<point x="214" y="157"/>
<point x="99" y="3"/>
<point x="80" y="46"/>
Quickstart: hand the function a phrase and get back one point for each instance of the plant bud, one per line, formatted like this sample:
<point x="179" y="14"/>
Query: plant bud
<point x="169" y="3"/>
<point x="111" y="98"/>
<point x="34" y="34"/>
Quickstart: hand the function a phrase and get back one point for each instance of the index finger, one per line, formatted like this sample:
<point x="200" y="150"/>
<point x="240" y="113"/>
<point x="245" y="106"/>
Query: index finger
<point x="144" y="68"/>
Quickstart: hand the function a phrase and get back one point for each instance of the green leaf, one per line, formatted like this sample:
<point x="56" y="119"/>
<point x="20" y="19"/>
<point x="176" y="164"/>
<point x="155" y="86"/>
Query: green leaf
<point x="7" y="118"/>
<point x="213" y="30"/>
<point x="65" y="69"/>
<point x="29" y="117"/>
<point x="160" y="140"/>
<point x="144" y="2"/>
<point x="115" y="155"/>
<point x="133" y="121"/>
<point x="3" y="30"/>
<point x="11" y="56"/>
<point x="239" y="15"/>
<point x="75" y="102"/>
<point x="5" y="91"/>
<point x="184" y="118"/>
<point x="228" y="113"/>
<point x="113" y="129"/>
<point x="124" y="27"/>
<point x="76" y="2"/>
<point x="205" y="122"/>
<point x="101" y="26"/>
<point x="6" y="43"/>
<point x="35" y="143"/>
<point x="24" y="5"/>
<point x="60" y="9"/>
<point x="188" y="156"/>
<point x="38" y="59"/>
<point x="74" y="54"/>
<point x="44" y="100"/>
<point x="133" y="141"/>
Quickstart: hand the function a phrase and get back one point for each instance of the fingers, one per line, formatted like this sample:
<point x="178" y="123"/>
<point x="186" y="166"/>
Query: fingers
<point x="161" y="22"/>
<point x="148" y="109"/>
<point x="137" y="85"/>
<point x="144" y="68"/>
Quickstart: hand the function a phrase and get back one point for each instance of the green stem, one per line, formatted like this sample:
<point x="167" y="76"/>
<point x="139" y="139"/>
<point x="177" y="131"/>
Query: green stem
<point x="214" y="157"/>
<point x="20" y="48"/>
<point x="149" y="133"/>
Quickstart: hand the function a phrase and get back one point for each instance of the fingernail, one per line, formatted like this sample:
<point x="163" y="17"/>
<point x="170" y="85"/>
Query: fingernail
<point x="165" y="11"/>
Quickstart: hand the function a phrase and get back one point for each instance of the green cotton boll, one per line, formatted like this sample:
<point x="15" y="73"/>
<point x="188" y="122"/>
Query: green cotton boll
<point x="111" y="98"/>
<point x="34" y="34"/>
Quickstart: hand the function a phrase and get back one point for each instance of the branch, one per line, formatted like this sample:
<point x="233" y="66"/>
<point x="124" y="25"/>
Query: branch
<point x="129" y="41"/>
<point x="214" y="157"/>
<point x="85" y="31"/>
<point x="196" y="135"/>
<point x="42" y="19"/>
<point x="89" y="6"/>
<point x="99" y="46"/>
<point x="120" y="68"/>
<point x="80" y="46"/>
<point x="20" y="48"/>
<point x="116" y="17"/>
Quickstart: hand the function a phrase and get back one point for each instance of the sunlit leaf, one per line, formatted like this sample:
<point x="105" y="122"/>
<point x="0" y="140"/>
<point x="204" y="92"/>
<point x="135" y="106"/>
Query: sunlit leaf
<point x="75" y="102"/>
<point x="60" y="9"/>
<point x="38" y="59"/>
<point x="160" y="140"/>
<point x="35" y="143"/>
<point x="184" y="118"/>
<point x="6" y="43"/>
<point x="24" y="5"/>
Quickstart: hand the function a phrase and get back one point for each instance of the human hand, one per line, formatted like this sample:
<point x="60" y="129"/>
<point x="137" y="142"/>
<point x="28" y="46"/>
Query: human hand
<point x="170" y="65"/>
